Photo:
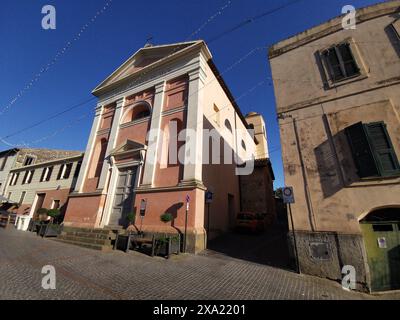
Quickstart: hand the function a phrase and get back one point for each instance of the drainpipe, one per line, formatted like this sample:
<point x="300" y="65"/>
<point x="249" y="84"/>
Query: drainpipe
<point x="304" y="173"/>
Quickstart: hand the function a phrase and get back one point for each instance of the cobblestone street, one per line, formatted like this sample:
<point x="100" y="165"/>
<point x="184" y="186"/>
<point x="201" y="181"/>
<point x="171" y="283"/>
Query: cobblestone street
<point x="87" y="274"/>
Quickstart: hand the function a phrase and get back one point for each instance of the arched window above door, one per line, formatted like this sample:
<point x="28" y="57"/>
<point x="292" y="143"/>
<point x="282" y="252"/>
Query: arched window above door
<point x="138" y="111"/>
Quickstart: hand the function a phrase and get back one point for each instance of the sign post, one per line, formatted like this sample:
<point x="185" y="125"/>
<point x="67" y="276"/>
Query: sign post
<point x="288" y="198"/>
<point x="209" y="199"/>
<point x="186" y="222"/>
<point x="143" y="205"/>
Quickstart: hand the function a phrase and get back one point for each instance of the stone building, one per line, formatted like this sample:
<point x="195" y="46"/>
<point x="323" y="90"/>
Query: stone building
<point x="338" y="102"/>
<point x="161" y="97"/>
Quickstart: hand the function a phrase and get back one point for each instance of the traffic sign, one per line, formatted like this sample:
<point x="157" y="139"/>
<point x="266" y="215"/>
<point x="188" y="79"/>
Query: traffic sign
<point x="143" y="205"/>
<point x="209" y="197"/>
<point x="288" y="195"/>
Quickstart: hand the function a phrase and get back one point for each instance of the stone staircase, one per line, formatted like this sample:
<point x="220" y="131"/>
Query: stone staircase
<point x="96" y="239"/>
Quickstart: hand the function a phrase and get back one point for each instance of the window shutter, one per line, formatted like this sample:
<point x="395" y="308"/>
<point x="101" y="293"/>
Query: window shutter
<point x="349" y="62"/>
<point x="68" y="171"/>
<point x="42" y="178"/>
<point x="385" y="155"/>
<point x="31" y="176"/>
<point x="333" y="64"/>
<point x="361" y="149"/>
<point x="396" y="28"/>
<point x="78" y="168"/>
<point x="60" y="171"/>
<point x="49" y="174"/>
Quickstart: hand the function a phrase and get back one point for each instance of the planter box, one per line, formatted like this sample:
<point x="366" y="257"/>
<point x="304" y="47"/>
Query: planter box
<point x="167" y="246"/>
<point x="49" y="230"/>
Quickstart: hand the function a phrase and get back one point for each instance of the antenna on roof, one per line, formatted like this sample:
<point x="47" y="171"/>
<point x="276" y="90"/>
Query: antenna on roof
<point x="148" y="42"/>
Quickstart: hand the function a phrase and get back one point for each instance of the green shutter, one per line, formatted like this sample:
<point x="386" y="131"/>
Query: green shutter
<point x="382" y="147"/>
<point x="361" y="149"/>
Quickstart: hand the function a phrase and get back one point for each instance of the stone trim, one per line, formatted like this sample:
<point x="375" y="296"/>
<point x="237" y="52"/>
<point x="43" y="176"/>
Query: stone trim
<point x="148" y="189"/>
<point x="85" y="194"/>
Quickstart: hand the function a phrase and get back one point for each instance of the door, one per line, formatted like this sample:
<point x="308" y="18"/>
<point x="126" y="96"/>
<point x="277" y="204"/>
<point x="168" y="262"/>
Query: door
<point x="39" y="204"/>
<point x="382" y="241"/>
<point x="123" y="198"/>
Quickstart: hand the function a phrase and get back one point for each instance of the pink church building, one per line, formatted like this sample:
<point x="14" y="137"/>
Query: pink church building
<point x="158" y="89"/>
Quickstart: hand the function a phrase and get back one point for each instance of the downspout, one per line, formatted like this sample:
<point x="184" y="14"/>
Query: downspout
<point x="304" y="173"/>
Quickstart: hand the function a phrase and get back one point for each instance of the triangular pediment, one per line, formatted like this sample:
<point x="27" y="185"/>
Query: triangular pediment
<point x="128" y="146"/>
<point x="143" y="58"/>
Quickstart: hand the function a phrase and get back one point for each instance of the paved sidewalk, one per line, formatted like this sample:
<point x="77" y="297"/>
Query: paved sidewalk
<point x="87" y="274"/>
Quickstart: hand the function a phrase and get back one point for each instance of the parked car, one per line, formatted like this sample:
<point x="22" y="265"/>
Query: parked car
<point x="249" y="221"/>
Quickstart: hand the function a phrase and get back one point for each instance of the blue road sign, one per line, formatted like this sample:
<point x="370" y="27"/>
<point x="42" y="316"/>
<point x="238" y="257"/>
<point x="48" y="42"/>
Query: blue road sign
<point x="209" y="196"/>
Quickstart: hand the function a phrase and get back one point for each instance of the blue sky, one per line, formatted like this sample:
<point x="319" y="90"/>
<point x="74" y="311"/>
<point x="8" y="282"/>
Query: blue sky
<point x="118" y="32"/>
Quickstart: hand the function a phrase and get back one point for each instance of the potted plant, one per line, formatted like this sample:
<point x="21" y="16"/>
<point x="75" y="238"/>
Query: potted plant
<point x="53" y="214"/>
<point x="166" y="217"/>
<point x="52" y="228"/>
<point x="162" y="246"/>
<point x="167" y="245"/>
<point x="131" y="217"/>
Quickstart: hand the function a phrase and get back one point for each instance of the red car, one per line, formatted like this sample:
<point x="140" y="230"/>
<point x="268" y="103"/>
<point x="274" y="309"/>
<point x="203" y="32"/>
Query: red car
<point x="250" y="222"/>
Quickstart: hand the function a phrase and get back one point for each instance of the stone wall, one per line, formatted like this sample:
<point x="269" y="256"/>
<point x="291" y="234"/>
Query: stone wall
<point x="324" y="254"/>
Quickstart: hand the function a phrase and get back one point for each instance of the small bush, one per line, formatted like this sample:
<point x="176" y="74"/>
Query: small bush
<point x="131" y="217"/>
<point x="166" y="217"/>
<point x="54" y="213"/>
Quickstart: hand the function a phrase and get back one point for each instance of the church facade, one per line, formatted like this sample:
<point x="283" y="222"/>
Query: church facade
<point x="166" y="131"/>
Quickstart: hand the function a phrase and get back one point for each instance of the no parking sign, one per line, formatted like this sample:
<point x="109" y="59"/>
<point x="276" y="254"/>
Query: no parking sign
<point x="288" y="195"/>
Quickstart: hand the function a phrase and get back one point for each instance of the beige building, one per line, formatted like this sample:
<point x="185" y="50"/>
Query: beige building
<point x="338" y="103"/>
<point x="39" y="178"/>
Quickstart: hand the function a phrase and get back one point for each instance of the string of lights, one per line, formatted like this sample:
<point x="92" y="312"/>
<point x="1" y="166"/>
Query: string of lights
<point x="56" y="58"/>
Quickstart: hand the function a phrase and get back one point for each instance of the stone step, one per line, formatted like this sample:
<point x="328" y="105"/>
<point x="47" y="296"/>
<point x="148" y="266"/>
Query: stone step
<point x="87" y="230"/>
<point x="90" y="235"/>
<point x="103" y="242"/>
<point x="97" y="247"/>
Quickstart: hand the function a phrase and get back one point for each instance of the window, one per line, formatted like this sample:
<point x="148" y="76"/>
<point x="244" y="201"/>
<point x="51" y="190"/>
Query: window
<point x="29" y="160"/>
<point x="9" y="196"/>
<point x="137" y="112"/>
<point x="141" y="115"/>
<point x="77" y="169"/>
<point x="382" y="227"/>
<point x="243" y="145"/>
<point x="396" y="28"/>
<point x="372" y="150"/>
<point x="21" y="200"/>
<point x="3" y="163"/>
<point x="28" y="177"/>
<point x="340" y="62"/>
<point x="65" y="171"/>
<point x="14" y="179"/>
<point x="46" y="174"/>
<point x="228" y="125"/>
<point x="56" y="204"/>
